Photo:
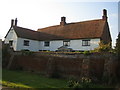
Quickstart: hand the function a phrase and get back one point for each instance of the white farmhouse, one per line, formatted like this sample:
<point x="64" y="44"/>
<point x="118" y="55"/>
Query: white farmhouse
<point x="80" y="36"/>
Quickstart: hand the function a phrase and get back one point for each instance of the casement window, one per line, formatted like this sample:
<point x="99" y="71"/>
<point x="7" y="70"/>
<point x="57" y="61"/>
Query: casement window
<point x="85" y="42"/>
<point x="26" y="43"/>
<point x="47" y="43"/>
<point x="66" y="43"/>
<point x="11" y="42"/>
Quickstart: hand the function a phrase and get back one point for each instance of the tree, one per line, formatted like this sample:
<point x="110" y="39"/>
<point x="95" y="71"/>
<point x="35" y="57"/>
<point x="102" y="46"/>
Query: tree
<point x="118" y="45"/>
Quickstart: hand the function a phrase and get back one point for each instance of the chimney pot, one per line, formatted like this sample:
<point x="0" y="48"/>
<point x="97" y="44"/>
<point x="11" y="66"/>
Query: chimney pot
<point x="63" y="21"/>
<point x="12" y="22"/>
<point x="104" y="17"/>
<point x="16" y="22"/>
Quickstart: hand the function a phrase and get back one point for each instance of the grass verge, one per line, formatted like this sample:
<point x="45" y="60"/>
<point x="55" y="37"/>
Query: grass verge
<point x="30" y="80"/>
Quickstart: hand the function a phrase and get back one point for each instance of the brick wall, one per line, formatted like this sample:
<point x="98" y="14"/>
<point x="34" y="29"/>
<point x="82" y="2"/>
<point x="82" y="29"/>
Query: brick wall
<point x="94" y="65"/>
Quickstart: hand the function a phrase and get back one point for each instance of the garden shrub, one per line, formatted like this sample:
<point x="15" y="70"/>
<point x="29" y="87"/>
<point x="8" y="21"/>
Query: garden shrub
<point x="86" y="53"/>
<point x="83" y="83"/>
<point x="27" y="52"/>
<point x="103" y="47"/>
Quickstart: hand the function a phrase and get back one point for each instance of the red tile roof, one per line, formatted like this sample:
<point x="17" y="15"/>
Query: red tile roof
<point x="79" y="30"/>
<point x="34" y="35"/>
<point x="85" y="29"/>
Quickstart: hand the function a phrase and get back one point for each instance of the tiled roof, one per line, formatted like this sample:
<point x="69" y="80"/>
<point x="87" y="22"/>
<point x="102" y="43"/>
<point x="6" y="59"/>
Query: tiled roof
<point x="34" y="35"/>
<point x="85" y="29"/>
<point x="78" y="30"/>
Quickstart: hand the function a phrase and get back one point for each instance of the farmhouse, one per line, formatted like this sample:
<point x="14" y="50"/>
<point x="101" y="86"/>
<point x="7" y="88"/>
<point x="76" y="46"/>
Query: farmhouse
<point x="81" y="36"/>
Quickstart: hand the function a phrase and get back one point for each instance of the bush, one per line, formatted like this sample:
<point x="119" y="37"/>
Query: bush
<point x="84" y="83"/>
<point x="86" y="53"/>
<point x="117" y="48"/>
<point x="26" y="52"/>
<point x="103" y="47"/>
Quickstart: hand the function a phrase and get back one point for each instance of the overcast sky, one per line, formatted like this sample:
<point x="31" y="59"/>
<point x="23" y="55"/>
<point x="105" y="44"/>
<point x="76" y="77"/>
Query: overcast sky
<point x="34" y="14"/>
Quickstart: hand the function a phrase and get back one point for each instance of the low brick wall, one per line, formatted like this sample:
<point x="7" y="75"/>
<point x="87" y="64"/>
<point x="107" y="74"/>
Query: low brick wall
<point x="77" y="65"/>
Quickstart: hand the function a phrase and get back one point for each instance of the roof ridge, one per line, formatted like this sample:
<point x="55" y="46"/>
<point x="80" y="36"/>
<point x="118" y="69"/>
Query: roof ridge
<point x="70" y="23"/>
<point x="25" y="28"/>
<point x="87" y="21"/>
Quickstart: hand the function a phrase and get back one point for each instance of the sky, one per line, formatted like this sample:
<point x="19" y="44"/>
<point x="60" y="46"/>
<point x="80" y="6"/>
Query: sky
<point x="34" y="14"/>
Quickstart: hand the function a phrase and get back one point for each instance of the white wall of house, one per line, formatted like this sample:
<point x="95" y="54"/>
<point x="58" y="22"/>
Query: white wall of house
<point x="77" y="44"/>
<point x="33" y="45"/>
<point x="18" y="43"/>
<point x="54" y="45"/>
<point x="74" y="44"/>
<point x="11" y="36"/>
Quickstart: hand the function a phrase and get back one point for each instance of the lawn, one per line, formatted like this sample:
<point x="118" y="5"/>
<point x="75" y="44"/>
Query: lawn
<point x="30" y="80"/>
<point x="23" y="79"/>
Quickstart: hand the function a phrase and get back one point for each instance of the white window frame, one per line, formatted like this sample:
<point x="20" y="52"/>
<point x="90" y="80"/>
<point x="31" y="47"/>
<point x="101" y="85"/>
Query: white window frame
<point x="86" y="42"/>
<point x="46" y="43"/>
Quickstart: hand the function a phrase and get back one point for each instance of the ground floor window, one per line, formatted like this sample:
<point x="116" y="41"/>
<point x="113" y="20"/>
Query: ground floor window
<point x="66" y="43"/>
<point x="26" y="43"/>
<point x="47" y="43"/>
<point x="11" y="42"/>
<point x="85" y="42"/>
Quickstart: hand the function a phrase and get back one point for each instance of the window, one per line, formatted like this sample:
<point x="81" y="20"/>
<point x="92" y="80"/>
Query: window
<point x="26" y="43"/>
<point x="11" y="43"/>
<point x="66" y="43"/>
<point x="85" y="42"/>
<point x="47" y="43"/>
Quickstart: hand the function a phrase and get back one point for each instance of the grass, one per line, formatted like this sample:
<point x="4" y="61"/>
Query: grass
<point x="21" y="79"/>
<point x="30" y="80"/>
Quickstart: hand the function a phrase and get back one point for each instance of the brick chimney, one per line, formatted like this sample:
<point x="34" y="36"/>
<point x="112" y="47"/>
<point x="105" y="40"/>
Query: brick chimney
<point x="104" y="17"/>
<point x="16" y="22"/>
<point x="12" y="22"/>
<point x="63" y="21"/>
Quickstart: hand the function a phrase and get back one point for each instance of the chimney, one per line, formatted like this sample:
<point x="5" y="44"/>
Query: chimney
<point x="12" y="22"/>
<point x="16" y="22"/>
<point x="104" y="17"/>
<point x="63" y="21"/>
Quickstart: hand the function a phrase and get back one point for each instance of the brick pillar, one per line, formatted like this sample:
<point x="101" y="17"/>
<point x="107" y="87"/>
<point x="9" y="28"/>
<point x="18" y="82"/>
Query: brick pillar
<point x="85" y="68"/>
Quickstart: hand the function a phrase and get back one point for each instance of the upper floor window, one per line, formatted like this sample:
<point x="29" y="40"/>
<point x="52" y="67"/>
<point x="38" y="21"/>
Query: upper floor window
<point x="85" y="42"/>
<point x="26" y="43"/>
<point x="47" y="43"/>
<point x="11" y="42"/>
<point x="66" y="43"/>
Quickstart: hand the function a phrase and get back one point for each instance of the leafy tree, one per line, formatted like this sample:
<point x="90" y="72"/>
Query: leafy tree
<point x="117" y="48"/>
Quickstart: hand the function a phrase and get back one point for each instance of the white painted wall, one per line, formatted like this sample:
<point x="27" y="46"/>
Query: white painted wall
<point x="18" y="43"/>
<point x="74" y="44"/>
<point x="54" y="45"/>
<point x="33" y="45"/>
<point x="11" y="36"/>
<point x="77" y="44"/>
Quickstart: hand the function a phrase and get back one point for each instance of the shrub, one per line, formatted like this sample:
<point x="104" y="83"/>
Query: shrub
<point x="26" y="52"/>
<point x="84" y="83"/>
<point x="86" y="53"/>
<point x="103" y="47"/>
<point x="117" y="48"/>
